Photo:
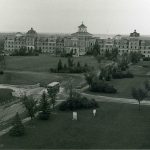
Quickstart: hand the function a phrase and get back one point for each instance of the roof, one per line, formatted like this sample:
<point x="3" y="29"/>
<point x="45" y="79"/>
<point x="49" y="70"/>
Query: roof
<point x="134" y="34"/>
<point x="52" y="84"/>
<point x="81" y="34"/>
<point x="31" y="32"/>
<point x="82" y="26"/>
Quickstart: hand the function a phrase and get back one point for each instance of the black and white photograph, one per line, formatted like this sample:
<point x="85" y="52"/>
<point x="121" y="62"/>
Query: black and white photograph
<point x="75" y="74"/>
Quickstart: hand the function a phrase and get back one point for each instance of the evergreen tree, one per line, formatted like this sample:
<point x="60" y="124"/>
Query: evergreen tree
<point x="85" y="65"/>
<point x="65" y="66"/>
<point x="96" y="49"/>
<point x="70" y="62"/>
<point x="44" y="107"/>
<point x="78" y="64"/>
<point x="52" y="92"/>
<point x="18" y="128"/>
<point x="60" y="67"/>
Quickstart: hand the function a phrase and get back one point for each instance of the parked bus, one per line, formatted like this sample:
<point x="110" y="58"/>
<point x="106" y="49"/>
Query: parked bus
<point x="53" y="85"/>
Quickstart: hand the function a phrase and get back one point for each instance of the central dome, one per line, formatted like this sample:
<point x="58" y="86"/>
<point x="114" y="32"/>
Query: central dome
<point x="32" y="32"/>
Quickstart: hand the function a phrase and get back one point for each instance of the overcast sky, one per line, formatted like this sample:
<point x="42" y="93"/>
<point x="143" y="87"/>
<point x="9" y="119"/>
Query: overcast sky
<point x="64" y="16"/>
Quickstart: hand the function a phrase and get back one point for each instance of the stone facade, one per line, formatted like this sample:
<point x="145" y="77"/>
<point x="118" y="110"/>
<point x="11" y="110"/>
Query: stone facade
<point x="133" y="43"/>
<point x="31" y="41"/>
<point x="78" y="43"/>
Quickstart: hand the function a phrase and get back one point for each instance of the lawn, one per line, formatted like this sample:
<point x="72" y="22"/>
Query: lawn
<point x="34" y="69"/>
<point x="42" y="63"/>
<point x="5" y="95"/>
<point x="142" y="68"/>
<point x="123" y="86"/>
<point x="115" y="126"/>
<point x="25" y="77"/>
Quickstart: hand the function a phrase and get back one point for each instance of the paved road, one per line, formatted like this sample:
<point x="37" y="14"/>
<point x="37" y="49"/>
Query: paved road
<point x="8" y="112"/>
<point x="115" y="100"/>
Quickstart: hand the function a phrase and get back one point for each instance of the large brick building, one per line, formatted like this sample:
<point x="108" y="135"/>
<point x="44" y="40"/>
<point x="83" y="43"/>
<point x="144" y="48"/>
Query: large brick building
<point x="133" y="43"/>
<point x="31" y="41"/>
<point x="79" y="42"/>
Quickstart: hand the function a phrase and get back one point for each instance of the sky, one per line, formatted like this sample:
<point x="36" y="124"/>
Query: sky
<point x="64" y="16"/>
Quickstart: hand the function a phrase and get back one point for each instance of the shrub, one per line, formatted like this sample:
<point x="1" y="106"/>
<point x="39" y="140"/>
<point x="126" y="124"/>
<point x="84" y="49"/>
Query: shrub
<point x="121" y="75"/>
<point x="146" y="58"/>
<point x="43" y="115"/>
<point x="1" y="72"/>
<point x="109" y="89"/>
<point x="78" y="102"/>
<point x="103" y="87"/>
<point x="18" y="128"/>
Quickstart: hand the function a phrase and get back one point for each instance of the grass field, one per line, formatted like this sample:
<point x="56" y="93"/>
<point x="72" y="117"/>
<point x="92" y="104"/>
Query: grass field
<point x="42" y="63"/>
<point x="123" y="86"/>
<point x="5" y="95"/>
<point x="115" y="126"/>
<point x="43" y="78"/>
<point x="35" y="69"/>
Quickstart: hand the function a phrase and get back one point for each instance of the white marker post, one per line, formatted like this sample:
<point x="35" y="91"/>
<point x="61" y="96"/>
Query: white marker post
<point x="94" y="112"/>
<point x="75" y="117"/>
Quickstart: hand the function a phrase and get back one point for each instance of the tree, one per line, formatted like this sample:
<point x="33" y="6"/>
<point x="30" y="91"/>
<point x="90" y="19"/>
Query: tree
<point x="2" y="62"/>
<point x="2" y="56"/>
<point x="30" y="105"/>
<point x="70" y="62"/>
<point x="52" y="92"/>
<point x="78" y="64"/>
<point x="147" y="85"/>
<point x="89" y="76"/>
<point x="108" y="54"/>
<point x="44" y="107"/>
<point x="18" y="128"/>
<point x="123" y="63"/>
<point x="106" y="73"/>
<point x="59" y="65"/>
<point x="139" y="94"/>
<point x="65" y="66"/>
<point x="114" y="54"/>
<point x="86" y="65"/>
<point x="99" y="58"/>
<point x="96" y="49"/>
<point x="135" y="57"/>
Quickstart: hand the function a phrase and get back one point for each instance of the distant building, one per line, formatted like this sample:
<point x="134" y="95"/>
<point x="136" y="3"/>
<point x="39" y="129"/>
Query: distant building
<point x="78" y="43"/>
<point x="31" y="41"/>
<point x="14" y="43"/>
<point x="133" y="43"/>
<point x="105" y="45"/>
<point x="46" y="44"/>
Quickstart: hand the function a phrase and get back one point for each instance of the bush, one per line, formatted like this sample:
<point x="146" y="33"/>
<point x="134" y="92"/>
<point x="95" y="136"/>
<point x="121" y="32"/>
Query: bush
<point x="43" y="116"/>
<point x="78" y="103"/>
<point x="1" y="72"/>
<point x="121" y="75"/>
<point x="70" y="68"/>
<point x="109" y="89"/>
<point x="146" y="59"/>
<point x="103" y="87"/>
